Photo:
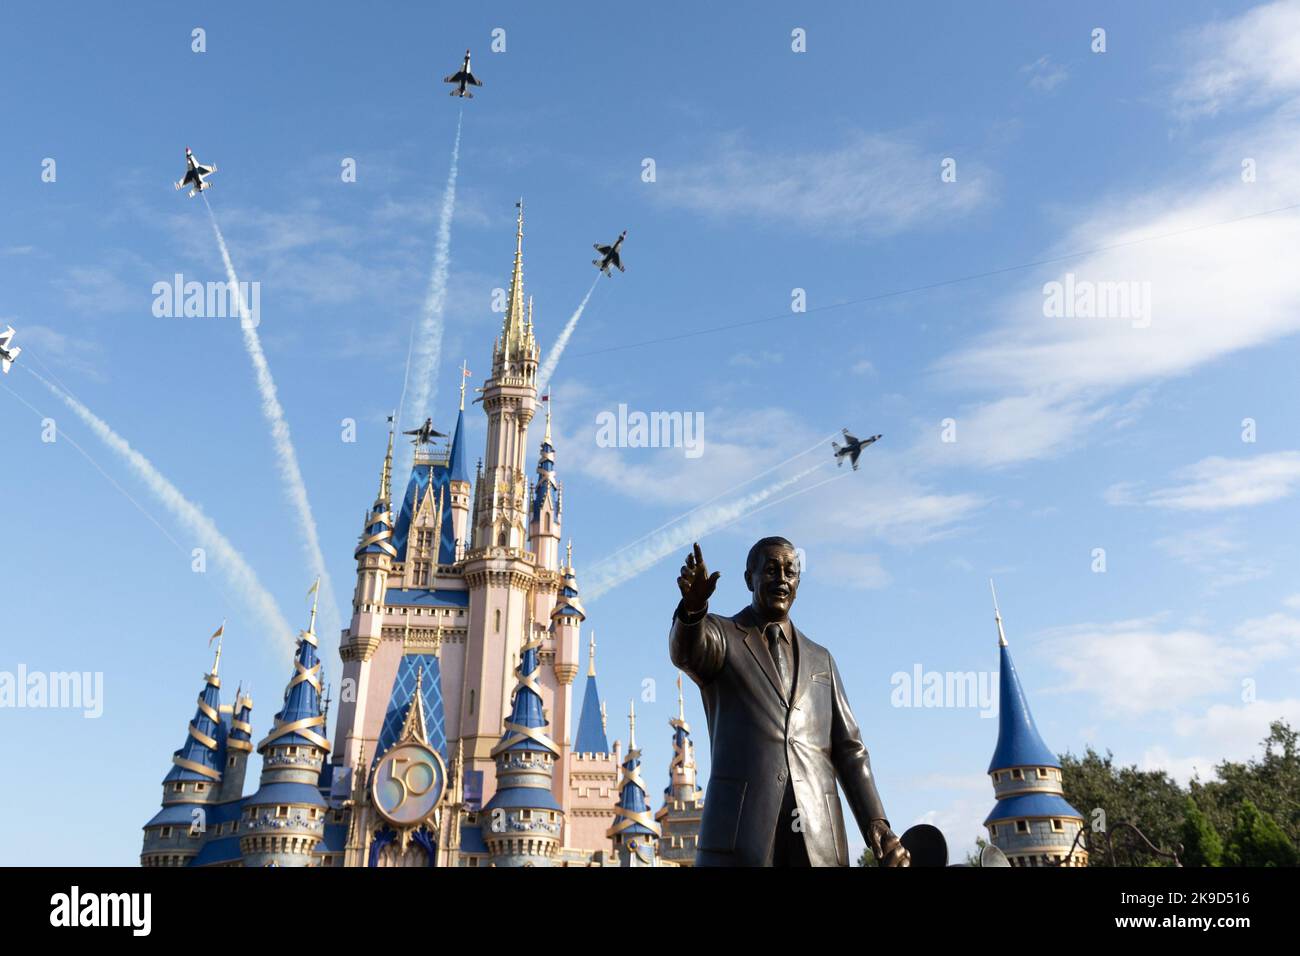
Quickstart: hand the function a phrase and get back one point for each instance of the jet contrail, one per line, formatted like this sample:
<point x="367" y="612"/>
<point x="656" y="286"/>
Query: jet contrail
<point x="99" y="468"/>
<point x="287" y="457"/>
<point x="246" y="582"/>
<point x="553" y="359"/>
<point x="722" y="494"/>
<point x="614" y="571"/>
<point x="427" y="341"/>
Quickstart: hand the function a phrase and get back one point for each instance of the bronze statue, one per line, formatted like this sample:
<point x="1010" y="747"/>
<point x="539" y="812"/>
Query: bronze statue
<point x="780" y="727"/>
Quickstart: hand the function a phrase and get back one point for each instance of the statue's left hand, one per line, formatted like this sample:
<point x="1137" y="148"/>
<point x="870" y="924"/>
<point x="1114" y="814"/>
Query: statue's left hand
<point x="886" y="846"/>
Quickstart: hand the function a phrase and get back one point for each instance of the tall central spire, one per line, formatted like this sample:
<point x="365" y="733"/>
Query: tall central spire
<point x="513" y="335"/>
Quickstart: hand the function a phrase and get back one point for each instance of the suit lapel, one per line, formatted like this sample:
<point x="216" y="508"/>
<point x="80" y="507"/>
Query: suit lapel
<point x="757" y="645"/>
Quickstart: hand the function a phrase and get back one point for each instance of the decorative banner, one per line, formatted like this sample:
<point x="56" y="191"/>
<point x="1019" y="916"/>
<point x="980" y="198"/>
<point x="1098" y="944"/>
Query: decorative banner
<point x="408" y="784"/>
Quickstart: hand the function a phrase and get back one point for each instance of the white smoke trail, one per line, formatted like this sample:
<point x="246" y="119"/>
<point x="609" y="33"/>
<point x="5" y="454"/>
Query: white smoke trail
<point x="242" y="577"/>
<point x="723" y="494"/>
<point x="286" y="456"/>
<point x="427" y="341"/>
<point x="613" y="571"/>
<point x="553" y="359"/>
<point x="97" y="466"/>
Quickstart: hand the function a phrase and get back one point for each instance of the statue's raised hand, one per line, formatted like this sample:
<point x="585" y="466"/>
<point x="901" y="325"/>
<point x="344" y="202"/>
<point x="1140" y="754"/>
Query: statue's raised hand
<point x="695" y="583"/>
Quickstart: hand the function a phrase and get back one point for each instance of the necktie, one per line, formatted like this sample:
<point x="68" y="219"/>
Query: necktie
<point x="776" y="646"/>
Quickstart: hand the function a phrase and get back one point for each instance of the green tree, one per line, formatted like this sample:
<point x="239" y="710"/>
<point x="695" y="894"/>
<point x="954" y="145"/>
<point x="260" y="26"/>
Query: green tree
<point x="1257" y="840"/>
<point x="1150" y="799"/>
<point x="1201" y="843"/>
<point x="1271" y="783"/>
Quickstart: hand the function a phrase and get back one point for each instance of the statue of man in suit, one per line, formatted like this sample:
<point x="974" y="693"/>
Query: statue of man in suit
<point x="780" y="727"/>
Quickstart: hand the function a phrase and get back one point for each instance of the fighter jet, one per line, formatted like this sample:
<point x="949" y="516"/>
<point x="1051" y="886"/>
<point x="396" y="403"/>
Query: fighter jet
<point x="425" y="434"/>
<point x="609" y="256"/>
<point x="194" y="173"/>
<point x="851" y="448"/>
<point x="7" y="352"/>
<point x="462" y="77"/>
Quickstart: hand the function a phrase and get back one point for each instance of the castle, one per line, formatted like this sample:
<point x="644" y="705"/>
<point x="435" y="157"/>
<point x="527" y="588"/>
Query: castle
<point x="452" y="743"/>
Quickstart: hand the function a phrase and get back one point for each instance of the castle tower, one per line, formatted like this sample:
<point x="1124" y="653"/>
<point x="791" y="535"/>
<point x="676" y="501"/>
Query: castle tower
<point x="592" y="770"/>
<point x="374" y="555"/>
<point x="683" y="809"/>
<point x="499" y="570"/>
<point x="635" y="832"/>
<point x="458" y="485"/>
<point x="523" y="822"/>
<point x="546" y="511"/>
<point x="284" y="820"/>
<point x="239" y="745"/>
<point x="566" y="622"/>
<point x="509" y="399"/>
<point x="1031" y="822"/>
<point x="175" y="834"/>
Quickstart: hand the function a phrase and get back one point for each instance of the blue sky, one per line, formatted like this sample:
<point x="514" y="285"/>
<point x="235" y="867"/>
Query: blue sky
<point x="775" y="170"/>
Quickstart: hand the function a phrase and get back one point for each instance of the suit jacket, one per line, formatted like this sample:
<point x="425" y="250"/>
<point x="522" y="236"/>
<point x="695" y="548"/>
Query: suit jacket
<point x="761" y="742"/>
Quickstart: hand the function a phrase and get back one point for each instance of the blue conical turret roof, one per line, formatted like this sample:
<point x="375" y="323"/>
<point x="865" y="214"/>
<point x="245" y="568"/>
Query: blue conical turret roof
<point x="632" y="815"/>
<point x="1019" y="743"/>
<point x="459" y="468"/>
<point x="300" y="720"/>
<point x="527" y="721"/>
<point x="591" y="737"/>
<point x="200" y="756"/>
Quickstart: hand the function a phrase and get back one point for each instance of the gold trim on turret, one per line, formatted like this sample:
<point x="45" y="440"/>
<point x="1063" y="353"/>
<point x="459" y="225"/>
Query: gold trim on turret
<point x="529" y="681"/>
<point x="632" y="776"/>
<point x="196" y="767"/>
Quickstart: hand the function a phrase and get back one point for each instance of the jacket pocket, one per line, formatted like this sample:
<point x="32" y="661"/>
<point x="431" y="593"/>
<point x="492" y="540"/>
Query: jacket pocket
<point x="724" y="802"/>
<point x="836" y="816"/>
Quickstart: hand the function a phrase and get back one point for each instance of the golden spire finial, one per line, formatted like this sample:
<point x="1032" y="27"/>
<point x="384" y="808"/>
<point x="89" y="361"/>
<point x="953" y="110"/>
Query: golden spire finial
<point x="631" y="726"/>
<point x="386" y="476"/>
<point x="997" y="616"/>
<point x="464" y="374"/>
<point x="514" y="313"/>
<point x="591" y="656"/>
<point x="568" y="552"/>
<point x="681" y="702"/>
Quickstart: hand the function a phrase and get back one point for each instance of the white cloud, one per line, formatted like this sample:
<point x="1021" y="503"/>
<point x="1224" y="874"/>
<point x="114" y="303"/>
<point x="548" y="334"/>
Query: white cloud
<point x="1217" y="551"/>
<point x="1222" y="732"/>
<point x="859" y="572"/>
<point x="1135" y="667"/>
<point x="1217" y="260"/>
<point x="1216" y="483"/>
<point x="1044" y="74"/>
<point x="873" y="185"/>
<point x="961" y="822"/>
<point x="1254" y="58"/>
